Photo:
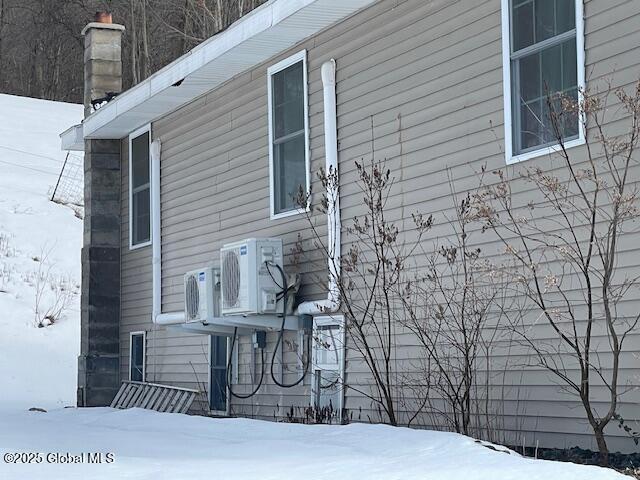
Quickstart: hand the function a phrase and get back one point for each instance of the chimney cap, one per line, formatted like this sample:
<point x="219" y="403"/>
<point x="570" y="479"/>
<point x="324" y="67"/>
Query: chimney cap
<point x="103" y="17"/>
<point x="102" y="26"/>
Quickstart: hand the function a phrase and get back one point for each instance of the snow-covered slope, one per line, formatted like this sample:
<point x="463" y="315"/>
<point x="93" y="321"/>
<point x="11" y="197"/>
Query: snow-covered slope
<point x="40" y="245"/>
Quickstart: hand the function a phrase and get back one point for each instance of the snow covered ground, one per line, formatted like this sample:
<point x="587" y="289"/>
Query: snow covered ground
<point x="151" y="445"/>
<point x="40" y="245"/>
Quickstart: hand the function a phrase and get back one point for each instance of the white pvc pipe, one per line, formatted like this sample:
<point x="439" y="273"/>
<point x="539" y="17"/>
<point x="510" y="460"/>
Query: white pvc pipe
<point x="158" y="317"/>
<point x="173" y="318"/>
<point x="332" y="303"/>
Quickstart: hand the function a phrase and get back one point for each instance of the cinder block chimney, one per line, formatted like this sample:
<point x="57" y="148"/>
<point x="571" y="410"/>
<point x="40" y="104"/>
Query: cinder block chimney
<point x="99" y="361"/>
<point x="102" y="59"/>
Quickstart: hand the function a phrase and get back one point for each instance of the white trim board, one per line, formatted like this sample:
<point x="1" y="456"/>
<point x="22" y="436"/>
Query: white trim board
<point x="258" y="36"/>
<point x="510" y="158"/>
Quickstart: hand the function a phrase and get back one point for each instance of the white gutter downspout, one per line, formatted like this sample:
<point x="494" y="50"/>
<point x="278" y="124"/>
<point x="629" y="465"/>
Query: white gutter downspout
<point x="332" y="303"/>
<point x="158" y="317"/>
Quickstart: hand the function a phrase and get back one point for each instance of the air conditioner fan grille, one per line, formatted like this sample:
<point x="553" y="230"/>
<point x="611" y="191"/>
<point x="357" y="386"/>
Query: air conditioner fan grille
<point x="192" y="297"/>
<point x="231" y="279"/>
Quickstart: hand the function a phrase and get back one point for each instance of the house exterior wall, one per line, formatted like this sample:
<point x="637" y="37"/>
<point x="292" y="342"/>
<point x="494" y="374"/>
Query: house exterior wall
<point x="425" y="80"/>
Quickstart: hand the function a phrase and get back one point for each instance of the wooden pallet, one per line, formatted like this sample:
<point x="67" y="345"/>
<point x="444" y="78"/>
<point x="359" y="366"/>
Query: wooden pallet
<point x="152" y="396"/>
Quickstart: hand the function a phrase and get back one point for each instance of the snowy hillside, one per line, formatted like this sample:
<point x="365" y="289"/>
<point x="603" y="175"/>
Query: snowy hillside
<point x="40" y="245"/>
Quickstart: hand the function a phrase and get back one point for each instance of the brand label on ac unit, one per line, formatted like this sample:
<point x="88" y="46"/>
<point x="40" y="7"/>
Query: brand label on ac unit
<point x="243" y="250"/>
<point x="201" y="276"/>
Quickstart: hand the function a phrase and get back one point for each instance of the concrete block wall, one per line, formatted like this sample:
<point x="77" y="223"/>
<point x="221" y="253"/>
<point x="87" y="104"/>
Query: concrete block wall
<point x="99" y="361"/>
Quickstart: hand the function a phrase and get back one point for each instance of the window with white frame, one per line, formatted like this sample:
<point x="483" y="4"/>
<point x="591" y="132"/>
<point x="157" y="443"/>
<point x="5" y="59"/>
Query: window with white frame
<point x="137" y="354"/>
<point x="328" y="363"/>
<point x="288" y="133"/>
<point x="139" y="188"/>
<point x="543" y="49"/>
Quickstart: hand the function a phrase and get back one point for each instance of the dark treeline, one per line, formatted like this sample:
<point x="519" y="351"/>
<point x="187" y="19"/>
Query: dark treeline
<point x="41" y="49"/>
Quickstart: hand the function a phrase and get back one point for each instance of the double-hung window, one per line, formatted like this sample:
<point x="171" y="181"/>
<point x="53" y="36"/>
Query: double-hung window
<point x="543" y="56"/>
<point x="288" y="134"/>
<point x="137" y="356"/>
<point x="139" y="188"/>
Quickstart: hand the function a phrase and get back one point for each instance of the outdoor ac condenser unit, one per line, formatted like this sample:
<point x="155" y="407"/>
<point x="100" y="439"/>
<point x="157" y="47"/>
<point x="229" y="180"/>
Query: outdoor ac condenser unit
<point x="250" y="281"/>
<point x="200" y="303"/>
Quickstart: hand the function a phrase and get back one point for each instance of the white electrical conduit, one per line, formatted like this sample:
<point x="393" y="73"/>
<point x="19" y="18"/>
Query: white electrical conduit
<point x="332" y="303"/>
<point x="158" y="317"/>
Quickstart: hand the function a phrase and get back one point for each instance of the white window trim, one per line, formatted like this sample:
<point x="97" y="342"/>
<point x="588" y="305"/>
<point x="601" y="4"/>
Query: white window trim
<point x="144" y="353"/>
<point x="132" y="136"/>
<point x="506" y="82"/>
<point x="287" y="62"/>
<point x="330" y="321"/>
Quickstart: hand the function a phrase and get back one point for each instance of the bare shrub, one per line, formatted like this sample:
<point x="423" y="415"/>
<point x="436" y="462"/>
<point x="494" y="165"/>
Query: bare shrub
<point x="456" y="305"/>
<point x="372" y="273"/>
<point x="6" y="250"/>
<point x="53" y="293"/>
<point x="5" y="277"/>
<point x="565" y="250"/>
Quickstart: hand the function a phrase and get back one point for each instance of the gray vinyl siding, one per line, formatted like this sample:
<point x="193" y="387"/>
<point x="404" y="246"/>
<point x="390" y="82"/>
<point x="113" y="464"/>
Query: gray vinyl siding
<point x="215" y="190"/>
<point x="425" y="79"/>
<point x="182" y="359"/>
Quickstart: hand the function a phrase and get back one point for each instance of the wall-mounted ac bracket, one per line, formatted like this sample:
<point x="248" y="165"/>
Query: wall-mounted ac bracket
<point x="209" y="329"/>
<point x="263" y="322"/>
<point x="225" y="326"/>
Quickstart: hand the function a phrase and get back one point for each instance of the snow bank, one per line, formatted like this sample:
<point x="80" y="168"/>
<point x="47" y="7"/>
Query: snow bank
<point x="151" y="445"/>
<point x="37" y="365"/>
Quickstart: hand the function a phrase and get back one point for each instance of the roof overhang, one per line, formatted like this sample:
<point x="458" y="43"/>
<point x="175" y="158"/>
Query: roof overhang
<point x="72" y="139"/>
<point x="268" y="30"/>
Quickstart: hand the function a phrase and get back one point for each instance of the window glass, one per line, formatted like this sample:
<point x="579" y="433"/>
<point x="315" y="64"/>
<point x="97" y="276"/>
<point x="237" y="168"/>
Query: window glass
<point x="534" y="21"/>
<point x="289" y="137"/>
<point x="522" y="18"/>
<point x="140" y="208"/>
<point x="289" y="172"/>
<point x="137" y="358"/>
<point x="140" y="160"/>
<point x="141" y="216"/>
<point x="218" y="387"/>
<point x="565" y="15"/>
<point x="288" y="101"/>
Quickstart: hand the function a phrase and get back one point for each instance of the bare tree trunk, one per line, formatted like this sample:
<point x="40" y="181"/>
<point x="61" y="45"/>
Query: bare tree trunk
<point x="55" y="84"/>
<point x="183" y="28"/>
<point x="135" y="77"/>
<point x="1" y="52"/>
<point x="145" y="42"/>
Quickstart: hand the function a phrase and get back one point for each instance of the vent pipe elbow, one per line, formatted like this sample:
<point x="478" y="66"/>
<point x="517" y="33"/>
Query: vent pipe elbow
<point x="328" y="73"/>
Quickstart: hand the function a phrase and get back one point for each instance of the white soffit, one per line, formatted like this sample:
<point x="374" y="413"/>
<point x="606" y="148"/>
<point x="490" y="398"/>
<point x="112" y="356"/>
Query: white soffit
<point x="268" y="30"/>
